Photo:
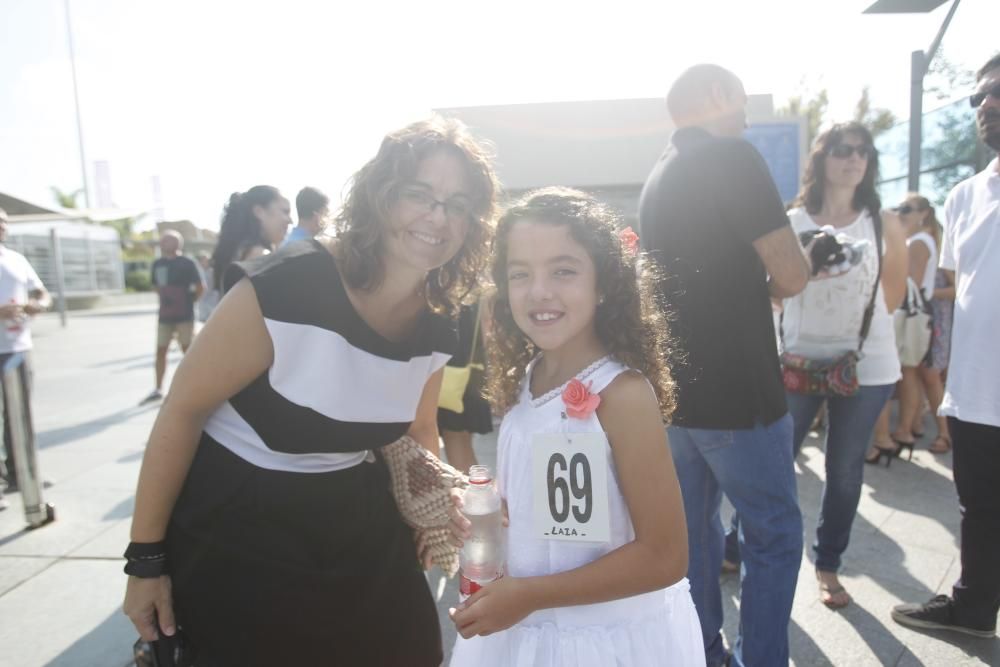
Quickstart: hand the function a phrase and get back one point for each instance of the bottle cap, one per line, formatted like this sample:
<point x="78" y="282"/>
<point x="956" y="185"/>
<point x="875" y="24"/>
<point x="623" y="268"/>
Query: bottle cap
<point x="480" y="475"/>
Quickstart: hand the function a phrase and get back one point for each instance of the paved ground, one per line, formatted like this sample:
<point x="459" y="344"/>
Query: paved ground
<point x="61" y="586"/>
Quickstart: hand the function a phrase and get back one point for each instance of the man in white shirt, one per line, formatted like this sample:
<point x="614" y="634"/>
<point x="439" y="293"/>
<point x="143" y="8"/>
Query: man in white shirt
<point x="970" y="249"/>
<point x="22" y="296"/>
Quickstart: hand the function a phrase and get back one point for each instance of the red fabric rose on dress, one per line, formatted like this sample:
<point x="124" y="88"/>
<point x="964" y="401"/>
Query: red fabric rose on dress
<point x="630" y="240"/>
<point x="580" y="402"/>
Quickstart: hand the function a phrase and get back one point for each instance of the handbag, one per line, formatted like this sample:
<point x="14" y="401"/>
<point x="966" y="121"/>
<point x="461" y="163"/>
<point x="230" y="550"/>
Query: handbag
<point x="421" y="485"/>
<point x="913" y="322"/>
<point x="456" y="379"/>
<point x="836" y="376"/>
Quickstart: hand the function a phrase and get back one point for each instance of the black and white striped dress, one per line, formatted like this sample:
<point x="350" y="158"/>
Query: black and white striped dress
<point x="286" y="547"/>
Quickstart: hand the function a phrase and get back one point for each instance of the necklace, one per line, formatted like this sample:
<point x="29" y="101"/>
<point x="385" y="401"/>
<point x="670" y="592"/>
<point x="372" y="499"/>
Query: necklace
<point x="582" y="375"/>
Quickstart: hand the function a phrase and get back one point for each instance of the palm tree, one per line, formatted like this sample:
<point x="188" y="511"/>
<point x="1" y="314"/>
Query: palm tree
<point x="65" y="199"/>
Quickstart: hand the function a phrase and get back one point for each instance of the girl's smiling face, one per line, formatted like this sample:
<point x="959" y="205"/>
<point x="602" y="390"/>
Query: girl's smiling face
<point x="552" y="285"/>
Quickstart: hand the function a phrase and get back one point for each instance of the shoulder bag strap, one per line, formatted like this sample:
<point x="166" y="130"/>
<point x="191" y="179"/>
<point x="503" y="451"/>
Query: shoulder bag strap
<point x="866" y="321"/>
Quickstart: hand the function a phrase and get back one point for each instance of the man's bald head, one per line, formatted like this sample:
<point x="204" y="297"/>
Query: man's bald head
<point x="708" y="96"/>
<point x="171" y="242"/>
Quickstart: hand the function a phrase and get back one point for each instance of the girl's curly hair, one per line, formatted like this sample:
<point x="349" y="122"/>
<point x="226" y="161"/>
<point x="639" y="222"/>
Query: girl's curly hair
<point x="362" y="220"/>
<point x="629" y="322"/>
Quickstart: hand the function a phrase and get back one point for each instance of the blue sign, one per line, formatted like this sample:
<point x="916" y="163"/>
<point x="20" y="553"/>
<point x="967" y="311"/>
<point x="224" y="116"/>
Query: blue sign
<point x="778" y="143"/>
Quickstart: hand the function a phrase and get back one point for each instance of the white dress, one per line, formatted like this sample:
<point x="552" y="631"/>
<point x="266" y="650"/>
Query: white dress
<point x="652" y="629"/>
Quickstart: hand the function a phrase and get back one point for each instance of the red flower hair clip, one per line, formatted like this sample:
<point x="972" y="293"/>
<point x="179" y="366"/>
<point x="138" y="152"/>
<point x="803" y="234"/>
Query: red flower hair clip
<point x="630" y="240"/>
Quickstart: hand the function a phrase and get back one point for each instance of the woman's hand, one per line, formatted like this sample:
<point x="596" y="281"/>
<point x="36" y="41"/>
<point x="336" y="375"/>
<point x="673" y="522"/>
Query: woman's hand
<point x="149" y="600"/>
<point x="495" y="607"/>
<point x="459" y="525"/>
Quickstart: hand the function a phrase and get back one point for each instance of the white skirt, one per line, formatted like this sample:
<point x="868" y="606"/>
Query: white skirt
<point x="668" y="633"/>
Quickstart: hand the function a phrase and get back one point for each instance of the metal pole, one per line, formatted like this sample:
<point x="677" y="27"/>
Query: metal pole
<point x="22" y="440"/>
<point x="920" y="61"/>
<point x="940" y="35"/>
<point x="76" y="104"/>
<point x="917" y="70"/>
<point x="56" y="251"/>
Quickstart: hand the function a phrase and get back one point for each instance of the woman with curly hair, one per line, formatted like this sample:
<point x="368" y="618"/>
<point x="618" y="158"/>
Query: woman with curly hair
<point x="578" y="368"/>
<point x="264" y="529"/>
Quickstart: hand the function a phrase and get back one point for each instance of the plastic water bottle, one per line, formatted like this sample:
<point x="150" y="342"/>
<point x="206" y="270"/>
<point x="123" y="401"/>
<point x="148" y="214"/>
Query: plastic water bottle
<point x="484" y="552"/>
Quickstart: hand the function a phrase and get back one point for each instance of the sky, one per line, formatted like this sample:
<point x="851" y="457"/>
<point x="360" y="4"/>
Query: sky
<point x="212" y="97"/>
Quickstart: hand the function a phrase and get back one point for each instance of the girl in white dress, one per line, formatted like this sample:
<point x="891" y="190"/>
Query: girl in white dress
<point x="597" y="543"/>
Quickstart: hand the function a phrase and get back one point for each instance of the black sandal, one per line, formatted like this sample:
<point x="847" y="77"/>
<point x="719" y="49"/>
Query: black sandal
<point x="880" y="453"/>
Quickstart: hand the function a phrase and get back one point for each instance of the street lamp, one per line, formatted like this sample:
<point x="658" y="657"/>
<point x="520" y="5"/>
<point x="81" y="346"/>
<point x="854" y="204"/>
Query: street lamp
<point x="76" y="106"/>
<point x="919" y="62"/>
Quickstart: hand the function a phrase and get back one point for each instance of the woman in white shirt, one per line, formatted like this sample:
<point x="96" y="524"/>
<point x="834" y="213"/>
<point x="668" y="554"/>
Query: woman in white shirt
<point x="923" y="231"/>
<point x="825" y="321"/>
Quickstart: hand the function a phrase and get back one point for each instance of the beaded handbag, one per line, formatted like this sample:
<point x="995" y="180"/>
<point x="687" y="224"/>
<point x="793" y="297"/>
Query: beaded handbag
<point x="421" y="486"/>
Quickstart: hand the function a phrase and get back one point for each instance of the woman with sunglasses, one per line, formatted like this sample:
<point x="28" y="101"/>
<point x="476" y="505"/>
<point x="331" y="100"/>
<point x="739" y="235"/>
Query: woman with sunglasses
<point x="826" y="321"/>
<point x="923" y="240"/>
<point x="264" y="528"/>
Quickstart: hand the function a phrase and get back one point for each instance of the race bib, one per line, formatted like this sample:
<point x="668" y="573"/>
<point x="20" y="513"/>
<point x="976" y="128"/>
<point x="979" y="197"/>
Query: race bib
<point x="570" y="483"/>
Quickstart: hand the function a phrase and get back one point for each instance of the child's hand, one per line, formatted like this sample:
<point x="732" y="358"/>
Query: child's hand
<point x="495" y="607"/>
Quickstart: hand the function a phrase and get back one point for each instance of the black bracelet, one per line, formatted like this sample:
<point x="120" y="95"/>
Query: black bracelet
<point x="146" y="561"/>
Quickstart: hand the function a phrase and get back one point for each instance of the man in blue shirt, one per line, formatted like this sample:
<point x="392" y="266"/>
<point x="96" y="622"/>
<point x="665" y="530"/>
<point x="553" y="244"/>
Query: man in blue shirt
<point x="313" y="208"/>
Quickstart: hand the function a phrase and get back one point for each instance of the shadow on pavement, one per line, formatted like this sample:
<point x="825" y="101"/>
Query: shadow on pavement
<point x="123" y="360"/>
<point x="61" y="436"/>
<point x="107" y="645"/>
<point x="122" y="510"/>
<point x="985" y="650"/>
<point x="143" y="311"/>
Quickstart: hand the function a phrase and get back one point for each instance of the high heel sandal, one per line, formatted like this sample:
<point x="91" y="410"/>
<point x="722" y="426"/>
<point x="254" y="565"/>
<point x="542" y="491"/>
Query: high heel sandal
<point x="880" y="453"/>
<point x="904" y="445"/>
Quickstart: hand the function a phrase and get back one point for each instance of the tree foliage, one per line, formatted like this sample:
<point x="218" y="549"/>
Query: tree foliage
<point x="65" y="198"/>
<point x="814" y="105"/>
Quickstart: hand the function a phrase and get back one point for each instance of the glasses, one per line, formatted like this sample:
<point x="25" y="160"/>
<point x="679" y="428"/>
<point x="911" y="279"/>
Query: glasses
<point x="456" y="209"/>
<point x="907" y="208"/>
<point x="844" y="151"/>
<point x="976" y="99"/>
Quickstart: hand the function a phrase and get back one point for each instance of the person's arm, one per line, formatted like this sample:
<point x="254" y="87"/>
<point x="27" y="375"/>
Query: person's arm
<point x="917" y="254"/>
<point x="946" y="293"/>
<point x="38" y="297"/>
<point x="152" y="277"/>
<point x="895" y="265"/>
<point x="458" y="450"/>
<point x="424" y="428"/>
<point x="198" y="281"/>
<point x="210" y="373"/>
<point x="785" y="262"/>
<point x="655" y="559"/>
<point x="213" y="370"/>
<point x="754" y="209"/>
<point x="39" y="300"/>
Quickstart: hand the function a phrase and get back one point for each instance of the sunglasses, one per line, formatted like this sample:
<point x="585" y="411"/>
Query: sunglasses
<point x="907" y="208"/>
<point x="844" y="151"/>
<point x="976" y="99"/>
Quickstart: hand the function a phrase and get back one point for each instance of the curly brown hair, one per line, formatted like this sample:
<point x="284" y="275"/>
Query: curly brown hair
<point x="629" y="323"/>
<point x="362" y="220"/>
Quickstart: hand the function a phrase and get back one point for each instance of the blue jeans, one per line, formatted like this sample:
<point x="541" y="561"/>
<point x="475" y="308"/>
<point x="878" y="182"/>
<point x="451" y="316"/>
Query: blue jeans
<point x="754" y="468"/>
<point x="851" y="421"/>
